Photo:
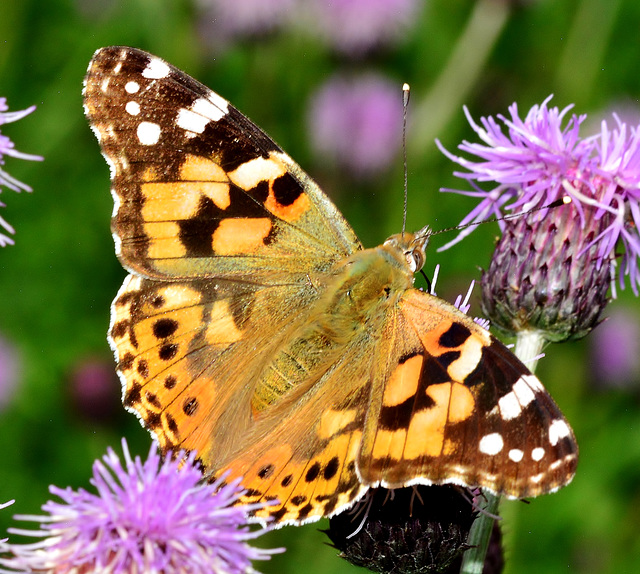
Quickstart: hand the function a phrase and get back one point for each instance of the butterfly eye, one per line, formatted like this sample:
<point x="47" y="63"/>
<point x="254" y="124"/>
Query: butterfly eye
<point x="415" y="259"/>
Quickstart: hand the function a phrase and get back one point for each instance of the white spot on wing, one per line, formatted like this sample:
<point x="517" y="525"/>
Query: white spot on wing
<point x="556" y="464"/>
<point x="148" y="133"/>
<point x="218" y="101"/>
<point x="558" y="429"/>
<point x="190" y="121"/>
<point x="537" y="454"/>
<point x="522" y="390"/>
<point x="131" y="87"/>
<point x="201" y="112"/>
<point x="213" y="108"/>
<point x="252" y="172"/>
<point x="509" y="407"/>
<point x="156" y="69"/>
<point x="491" y="444"/>
<point x="516" y="455"/>
<point x="133" y="108"/>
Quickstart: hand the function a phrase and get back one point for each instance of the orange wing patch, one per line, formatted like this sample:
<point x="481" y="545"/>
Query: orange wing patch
<point x="241" y="235"/>
<point x="403" y="383"/>
<point x="452" y="403"/>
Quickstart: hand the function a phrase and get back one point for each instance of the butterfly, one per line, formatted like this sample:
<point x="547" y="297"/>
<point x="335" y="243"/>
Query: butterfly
<point x="255" y="329"/>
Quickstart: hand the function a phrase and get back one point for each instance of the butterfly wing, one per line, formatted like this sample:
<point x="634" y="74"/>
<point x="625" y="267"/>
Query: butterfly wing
<point x="456" y="406"/>
<point x="201" y="191"/>
<point x="225" y="236"/>
<point x="431" y="398"/>
<point x="189" y="354"/>
<point x="301" y="454"/>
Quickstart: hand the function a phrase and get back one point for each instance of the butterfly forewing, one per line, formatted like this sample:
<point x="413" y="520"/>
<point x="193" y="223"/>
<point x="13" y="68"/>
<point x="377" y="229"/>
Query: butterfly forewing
<point x="200" y="190"/>
<point x="458" y="407"/>
<point x="229" y="336"/>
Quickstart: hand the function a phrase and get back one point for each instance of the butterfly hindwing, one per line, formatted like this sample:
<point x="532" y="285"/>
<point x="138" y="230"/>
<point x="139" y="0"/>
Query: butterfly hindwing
<point x="179" y="344"/>
<point x="449" y="405"/>
<point x="306" y="464"/>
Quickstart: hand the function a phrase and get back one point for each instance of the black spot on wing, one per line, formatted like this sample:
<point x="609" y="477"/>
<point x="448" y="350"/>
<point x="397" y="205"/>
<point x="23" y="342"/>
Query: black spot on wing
<point x="304" y="512"/>
<point x="455" y="336"/>
<point x="163" y="328"/>
<point x="266" y="471"/>
<point x="331" y="468"/>
<point x="195" y="233"/>
<point x="286" y="189"/>
<point x="313" y="472"/>
<point x="133" y="395"/>
<point x="190" y="406"/>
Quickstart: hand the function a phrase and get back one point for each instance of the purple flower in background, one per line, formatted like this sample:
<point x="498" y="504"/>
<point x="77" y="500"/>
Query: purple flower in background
<point x="354" y="27"/>
<point x="244" y="17"/>
<point x="153" y="516"/>
<point x="95" y="389"/>
<point x="552" y="268"/>
<point x="7" y="148"/>
<point x="9" y="371"/>
<point x="357" y="122"/>
<point x="615" y="351"/>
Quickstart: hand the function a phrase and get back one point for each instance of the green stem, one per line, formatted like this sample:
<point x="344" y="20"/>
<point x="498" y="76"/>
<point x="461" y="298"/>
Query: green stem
<point x="459" y="75"/>
<point x="529" y="345"/>
<point x="473" y="561"/>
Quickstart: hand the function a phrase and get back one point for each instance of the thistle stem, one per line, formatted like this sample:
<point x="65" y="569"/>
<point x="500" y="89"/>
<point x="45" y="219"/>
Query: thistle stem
<point x="529" y="345"/>
<point x="473" y="560"/>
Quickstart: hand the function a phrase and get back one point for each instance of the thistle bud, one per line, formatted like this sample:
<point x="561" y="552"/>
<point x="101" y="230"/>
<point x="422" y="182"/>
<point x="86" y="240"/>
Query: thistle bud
<point x="546" y="275"/>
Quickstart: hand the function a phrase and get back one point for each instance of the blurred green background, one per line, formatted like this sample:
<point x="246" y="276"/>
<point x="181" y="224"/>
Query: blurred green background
<point x="57" y="281"/>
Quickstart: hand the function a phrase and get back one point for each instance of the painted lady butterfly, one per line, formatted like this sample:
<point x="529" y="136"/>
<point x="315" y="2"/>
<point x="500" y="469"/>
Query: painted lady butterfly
<point x="255" y="329"/>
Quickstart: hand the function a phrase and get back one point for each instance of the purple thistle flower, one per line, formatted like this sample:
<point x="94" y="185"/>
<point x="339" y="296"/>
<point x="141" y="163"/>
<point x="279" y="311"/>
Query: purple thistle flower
<point x="155" y="516"/>
<point x="10" y="367"/>
<point x="244" y="17"/>
<point x="552" y="269"/>
<point x="7" y="148"/>
<point x="539" y="161"/>
<point x="356" y="122"/>
<point x="615" y="351"/>
<point x="354" y="27"/>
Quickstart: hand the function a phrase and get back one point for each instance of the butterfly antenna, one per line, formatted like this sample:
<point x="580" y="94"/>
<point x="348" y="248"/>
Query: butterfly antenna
<point x="405" y="104"/>
<point x="557" y="203"/>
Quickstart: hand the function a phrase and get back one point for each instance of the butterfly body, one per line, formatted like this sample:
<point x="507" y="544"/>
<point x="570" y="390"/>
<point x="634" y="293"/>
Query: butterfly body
<point x="255" y="329"/>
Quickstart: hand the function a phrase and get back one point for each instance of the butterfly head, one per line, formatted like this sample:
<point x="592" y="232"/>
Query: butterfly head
<point x="412" y="246"/>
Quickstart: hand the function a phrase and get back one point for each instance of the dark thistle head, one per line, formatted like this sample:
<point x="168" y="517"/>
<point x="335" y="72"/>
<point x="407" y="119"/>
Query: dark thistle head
<point x="413" y="530"/>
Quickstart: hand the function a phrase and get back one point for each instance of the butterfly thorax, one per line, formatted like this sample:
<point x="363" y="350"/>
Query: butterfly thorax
<point x="357" y="296"/>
